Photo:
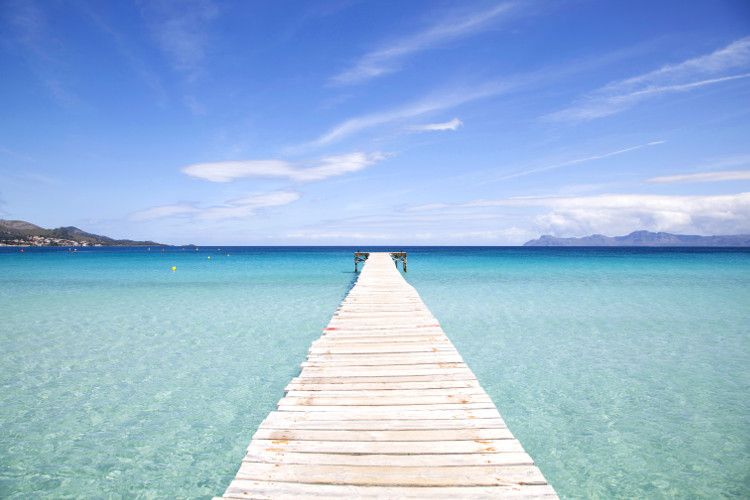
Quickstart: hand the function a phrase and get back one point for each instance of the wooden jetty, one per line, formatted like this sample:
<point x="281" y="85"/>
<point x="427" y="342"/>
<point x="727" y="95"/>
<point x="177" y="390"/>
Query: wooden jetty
<point x="385" y="407"/>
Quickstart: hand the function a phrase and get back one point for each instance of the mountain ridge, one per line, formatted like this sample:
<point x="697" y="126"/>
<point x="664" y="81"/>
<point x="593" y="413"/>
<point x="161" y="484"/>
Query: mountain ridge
<point x="643" y="239"/>
<point x="23" y="233"/>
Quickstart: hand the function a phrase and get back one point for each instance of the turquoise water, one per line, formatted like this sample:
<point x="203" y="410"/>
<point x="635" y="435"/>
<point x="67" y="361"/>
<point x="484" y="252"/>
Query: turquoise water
<point x="624" y="373"/>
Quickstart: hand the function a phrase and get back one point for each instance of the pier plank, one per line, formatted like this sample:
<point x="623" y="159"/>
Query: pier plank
<point x="241" y="488"/>
<point x="385" y="407"/>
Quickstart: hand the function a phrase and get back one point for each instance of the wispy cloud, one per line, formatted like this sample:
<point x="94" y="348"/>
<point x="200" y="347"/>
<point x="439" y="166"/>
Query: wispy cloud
<point x="181" y="31"/>
<point x="453" y="124"/>
<point x="438" y="102"/>
<point x="727" y="175"/>
<point x="576" y="161"/>
<point x="709" y="69"/>
<point x="389" y="57"/>
<point x="448" y="98"/>
<point x="233" y="209"/>
<point x="330" y="166"/>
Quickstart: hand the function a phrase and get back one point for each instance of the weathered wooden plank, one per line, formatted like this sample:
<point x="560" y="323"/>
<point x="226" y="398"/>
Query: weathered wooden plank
<point x="430" y="359"/>
<point x="479" y="475"/>
<point x="414" y="413"/>
<point x="303" y="385"/>
<point x="394" y="408"/>
<point x="349" y="400"/>
<point x="380" y="348"/>
<point x="382" y="371"/>
<point x="332" y="363"/>
<point x="387" y="358"/>
<point x="242" y="488"/>
<point x="453" y="391"/>
<point x="466" y="375"/>
<point x="389" y="447"/>
<point x="404" y="339"/>
<point x="388" y="435"/>
<point x="279" y="422"/>
<point x="453" y="459"/>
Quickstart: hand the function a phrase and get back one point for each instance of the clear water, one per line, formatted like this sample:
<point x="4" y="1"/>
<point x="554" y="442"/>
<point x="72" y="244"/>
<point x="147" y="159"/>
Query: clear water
<point x="625" y="373"/>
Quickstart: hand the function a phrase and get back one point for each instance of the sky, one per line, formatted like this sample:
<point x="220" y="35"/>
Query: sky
<point x="375" y="123"/>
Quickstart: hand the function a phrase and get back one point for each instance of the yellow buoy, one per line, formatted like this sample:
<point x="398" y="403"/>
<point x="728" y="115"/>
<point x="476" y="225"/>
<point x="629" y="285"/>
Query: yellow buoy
<point x="174" y="268"/>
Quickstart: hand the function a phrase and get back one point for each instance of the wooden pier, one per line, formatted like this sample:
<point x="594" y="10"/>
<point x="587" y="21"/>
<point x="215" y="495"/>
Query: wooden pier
<point x="385" y="407"/>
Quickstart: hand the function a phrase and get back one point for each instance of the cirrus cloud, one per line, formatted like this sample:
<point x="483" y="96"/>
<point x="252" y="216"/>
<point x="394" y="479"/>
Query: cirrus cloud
<point x="386" y="59"/>
<point x="691" y="74"/>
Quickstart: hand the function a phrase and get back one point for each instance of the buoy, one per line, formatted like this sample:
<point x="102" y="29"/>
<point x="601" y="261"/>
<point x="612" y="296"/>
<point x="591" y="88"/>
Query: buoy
<point x="209" y="256"/>
<point x="174" y="268"/>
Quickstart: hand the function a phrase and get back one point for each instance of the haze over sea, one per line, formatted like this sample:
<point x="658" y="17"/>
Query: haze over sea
<point x="624" y="372"/>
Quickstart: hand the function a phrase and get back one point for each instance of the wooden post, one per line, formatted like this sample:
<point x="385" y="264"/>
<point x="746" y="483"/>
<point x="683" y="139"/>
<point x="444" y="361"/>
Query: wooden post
<point x="359" y="257"/>
<point x="399" y="256"/>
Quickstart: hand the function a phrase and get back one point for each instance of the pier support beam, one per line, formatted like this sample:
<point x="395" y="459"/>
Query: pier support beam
<point x="359" y="257"/>
<point x="399" y="257"/>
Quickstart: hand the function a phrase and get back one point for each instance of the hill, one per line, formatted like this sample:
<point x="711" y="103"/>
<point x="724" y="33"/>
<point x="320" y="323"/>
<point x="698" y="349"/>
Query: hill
<point x="643" y="239"/>
<point x="22" y="233"/>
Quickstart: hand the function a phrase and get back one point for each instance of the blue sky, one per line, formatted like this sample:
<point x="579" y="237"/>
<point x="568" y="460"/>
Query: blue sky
<point x="344" y="122"/>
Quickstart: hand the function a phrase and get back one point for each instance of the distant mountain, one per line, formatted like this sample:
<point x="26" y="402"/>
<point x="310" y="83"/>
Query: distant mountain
<point x="22" y="233"/>
<point x="643" y="239"/>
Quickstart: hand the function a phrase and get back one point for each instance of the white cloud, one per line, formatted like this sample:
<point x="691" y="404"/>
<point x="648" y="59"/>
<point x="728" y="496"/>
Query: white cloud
<point x="453" y="124"/>
<point x="622" y="213"/>
<point x="438" y="102"/>
<point x="233" y="209"/>
<point x="728" y="175"/>
<point x="387" y="58"/>
<point x="330" y="166"/>
<point x="709" y="69"/>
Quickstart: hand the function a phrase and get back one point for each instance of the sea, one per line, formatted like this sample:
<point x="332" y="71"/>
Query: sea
<point x="624" y="372"/>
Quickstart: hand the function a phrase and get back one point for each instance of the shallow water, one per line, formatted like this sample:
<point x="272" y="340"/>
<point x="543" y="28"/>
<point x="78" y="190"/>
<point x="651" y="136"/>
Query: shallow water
<point x="623" y="372"/>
